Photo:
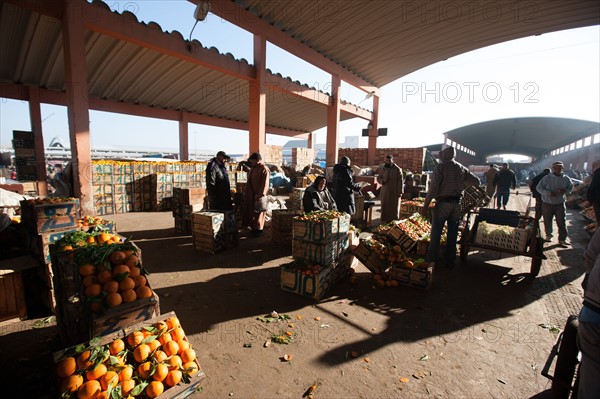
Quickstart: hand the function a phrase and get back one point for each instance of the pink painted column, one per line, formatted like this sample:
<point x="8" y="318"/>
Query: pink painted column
<point x="35" y="113"/>
<point x="258" y="97"/>
<point x="373" y="134"/>
<point x="184" y="146"/>
<point x="333" y="122"/>
<point x="77" y="102"/>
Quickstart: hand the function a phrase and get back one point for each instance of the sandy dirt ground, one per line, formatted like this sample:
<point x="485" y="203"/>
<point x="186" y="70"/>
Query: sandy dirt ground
<point x="482" y="330"/>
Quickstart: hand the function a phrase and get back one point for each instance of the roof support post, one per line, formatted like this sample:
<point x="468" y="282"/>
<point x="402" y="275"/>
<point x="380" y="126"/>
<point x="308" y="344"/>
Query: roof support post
<point x="184" y="146"/>
<point x="310" y="140"/>
<point x="35" y="114"/>
<point x="373" y="133"/>
<point x="77" y="101"/>
<point x="333" y="122"/>
<point x="258" y="97"/>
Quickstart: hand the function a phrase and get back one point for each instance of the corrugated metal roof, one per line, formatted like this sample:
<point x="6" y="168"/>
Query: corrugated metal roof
<point x="384" y="40"/>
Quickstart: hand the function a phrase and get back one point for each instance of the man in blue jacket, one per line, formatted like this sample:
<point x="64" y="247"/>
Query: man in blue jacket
<point x="554" y="189"/>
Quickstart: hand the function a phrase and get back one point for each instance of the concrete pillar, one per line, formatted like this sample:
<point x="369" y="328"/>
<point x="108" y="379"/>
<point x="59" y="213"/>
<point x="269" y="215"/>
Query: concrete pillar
<point x="73" y="33"/>
<point x="373" y="134"/>
<point x="258" y="97"/>
<point x="184" y="146"/>
<point x="310" y="141"/>
<point x="35" y="113"/>
<point x="333" y="122"/>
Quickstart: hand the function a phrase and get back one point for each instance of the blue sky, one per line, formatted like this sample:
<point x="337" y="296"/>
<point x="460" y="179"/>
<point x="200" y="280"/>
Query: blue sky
<point x="554" y="75"/>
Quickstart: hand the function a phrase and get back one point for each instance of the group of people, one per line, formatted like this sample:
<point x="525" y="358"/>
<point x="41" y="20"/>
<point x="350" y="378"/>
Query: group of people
<point x="499" y="182"/>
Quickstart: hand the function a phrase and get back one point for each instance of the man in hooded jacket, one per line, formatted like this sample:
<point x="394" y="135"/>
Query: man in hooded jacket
<point x="217" y="183"/>
<point x="317" y="197"/>
<point x="447" y="185"/>
<point x="344" y="187"/>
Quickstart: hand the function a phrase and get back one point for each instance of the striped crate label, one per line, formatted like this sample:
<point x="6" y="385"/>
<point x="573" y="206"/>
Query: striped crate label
<point x="323" y="231"/>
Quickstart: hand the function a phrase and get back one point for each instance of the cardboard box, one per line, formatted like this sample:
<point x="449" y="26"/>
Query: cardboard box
<point x="417" y="277"/>
<point x="370" y="259"/>
<point x="321" y="232"/>
<point x="48" y="217"/>
<point x="322" y="254"/>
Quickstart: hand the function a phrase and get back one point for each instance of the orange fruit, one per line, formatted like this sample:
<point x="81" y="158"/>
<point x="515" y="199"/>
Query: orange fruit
<point x="154" y="344"/>
<point x="96" y="372"/>
<point x="144" y="370"/>
<point x="166" y="337"/>
<point x="173" y="378"/>
<point x="90" y="240"/>
<point x="93" y="290"/>
<point x="133" y="260"/>
<point x="141" y="353"/>
<point x="117" y="257"/>
<point x="89" y="390"/>
<point x="135" y="338"/>
<point x="126" y="373"/>
<point x="160" y="356"/>
<point x="116" y="346"/>
<point x="177" y="334"/>
<point x="127" y="253"/>
<point x="96" y="306"/>
<point x="143" y="292"/>
<point x="87" y="270"/>
<point x="66" y="367"/>
<point x="128" y="296"/>
<point x="126" y="387"/>
<point x="103" y="237"/>
<point x="83" y="360"/>
<point x="190" y="367"/>
<point x="161" y="372"/>
<point x="102" y="395"/>
<point x="111" y="287"/>
<point x="104" y="276"/>
<point x="173" y="322"/>
<point x="183" y="346"/>
<point x="139" y="281"/>
<point x="89" y="280"/>
<point x="161" y="326"/>
<point x="170" y="348"/>
<point x="154" y="389"/>
<point x="71" y="383"/>
<point x="113" y="299"/>
<point x="174" y="362"/>
<point x="120" y="269"/>
<point x="126" y="284"/>
<point x="110" y="377"/>
<point x="134" y="271"/>
<point x="188" y="356"/>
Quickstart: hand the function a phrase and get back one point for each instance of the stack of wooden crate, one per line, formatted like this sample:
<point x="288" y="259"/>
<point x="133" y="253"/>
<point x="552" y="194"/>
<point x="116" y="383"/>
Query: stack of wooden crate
<point x="25" y="160"/>
<point x="186" y="201"/>
<point x="296" y="199"/>
<point x="123" y="187"/>
<point x="214" y="231"/>
<point x="103" y="189"/>
<point x="281" y="226"/>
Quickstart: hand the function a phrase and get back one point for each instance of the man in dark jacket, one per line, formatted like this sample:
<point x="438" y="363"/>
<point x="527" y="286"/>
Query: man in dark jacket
<point x="317" y="197"/>
<point x="504" y="181"/>
<point x="343" y="186"/>
<point x="538" y="197"/>
<point x="593" y="193"/>
<point x="217" y="183"/>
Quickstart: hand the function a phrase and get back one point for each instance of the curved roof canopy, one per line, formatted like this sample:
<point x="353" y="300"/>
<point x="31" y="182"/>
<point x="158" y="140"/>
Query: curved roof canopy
<point x="526" y="136"/>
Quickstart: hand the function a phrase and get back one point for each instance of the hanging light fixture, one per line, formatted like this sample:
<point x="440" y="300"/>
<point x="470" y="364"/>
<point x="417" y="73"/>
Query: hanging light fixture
<point x="200" y="13"/>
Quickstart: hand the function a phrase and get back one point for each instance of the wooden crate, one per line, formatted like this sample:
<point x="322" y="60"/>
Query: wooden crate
<point x="321" y="254"/>
<point x="370" y="259"/>
<point x="180" y="391"/>
<point x="418" y="277"/>
<point x="321" y="232"/>
<point x="41" y="218"/>
<point x="12" y="290"/>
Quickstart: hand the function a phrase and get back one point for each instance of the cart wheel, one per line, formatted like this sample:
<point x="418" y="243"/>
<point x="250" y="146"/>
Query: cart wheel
<point x="566" y="360"/>
<point x="538" y="251"/>
<point x="464" y="252"/>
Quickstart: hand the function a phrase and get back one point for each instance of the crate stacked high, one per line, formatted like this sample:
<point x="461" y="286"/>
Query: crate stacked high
<point x="103" y="187"/>
<point x="213" y="231"/>
<point x="296" y="198"/>
<point x="186" y="201"/>
<point x="282" y="226"/>
<point x="123" y="187"/>
<point x="320" y="247"/>
<point x="25" y="160"/>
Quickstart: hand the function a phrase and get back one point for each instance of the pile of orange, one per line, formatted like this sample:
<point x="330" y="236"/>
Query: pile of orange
<point x="109" y="285"/>
<point x="146" y="363"/>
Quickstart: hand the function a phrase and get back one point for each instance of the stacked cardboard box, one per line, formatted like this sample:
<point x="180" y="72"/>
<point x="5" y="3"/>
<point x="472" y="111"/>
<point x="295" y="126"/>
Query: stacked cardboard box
<point x="214" y="231"/>
<point x="301" y="157"/>
<point x="407" y="158"/>
<point x="296" y="198"/>
<point x="25" y="161"/>
<point x="272" y="154"/>
<point x="281" y="226"/>
<point x="186" y="201"/>
<point x="320" y="247"/>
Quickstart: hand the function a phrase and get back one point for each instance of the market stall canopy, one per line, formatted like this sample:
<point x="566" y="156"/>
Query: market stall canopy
<point x="526" y="136"/>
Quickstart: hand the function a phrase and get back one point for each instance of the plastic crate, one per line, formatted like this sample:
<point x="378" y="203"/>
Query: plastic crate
<point x="516" y="240"/>
<point x="473" y="197"/>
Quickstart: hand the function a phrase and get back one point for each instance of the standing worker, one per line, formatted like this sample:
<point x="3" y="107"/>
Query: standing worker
<point x="217" y="183"/>
<point x="490" y="188"/>
<point x="554" y="187"/>
<point x="593" y="193"/>
<point x="447" y="185"/>
<point x="343" y="186"/>
<point x="504" y="181"/>
<point x="255" y="195"/>
<point x="390" y="178"/>
<point x="538" y="197"/>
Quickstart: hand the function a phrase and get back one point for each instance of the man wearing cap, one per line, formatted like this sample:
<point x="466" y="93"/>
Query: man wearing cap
<point x="217" y="183"/>
<point x="554" y="187"/>
<point x="343" y="186"/>
<point x="255" y="195"/>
